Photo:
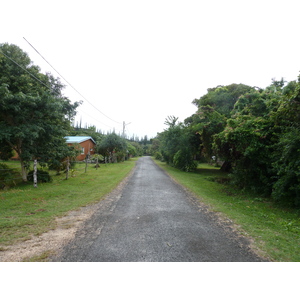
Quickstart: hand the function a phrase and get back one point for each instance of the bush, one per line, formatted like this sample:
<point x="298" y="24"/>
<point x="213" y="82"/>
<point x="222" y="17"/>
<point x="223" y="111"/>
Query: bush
<point x="158" y="155"/>
<point x="42" y="176"/>
<point x="183" y="159"/>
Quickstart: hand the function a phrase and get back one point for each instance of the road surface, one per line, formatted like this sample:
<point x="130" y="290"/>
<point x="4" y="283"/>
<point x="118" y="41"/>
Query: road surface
<point x="154" y="219"/>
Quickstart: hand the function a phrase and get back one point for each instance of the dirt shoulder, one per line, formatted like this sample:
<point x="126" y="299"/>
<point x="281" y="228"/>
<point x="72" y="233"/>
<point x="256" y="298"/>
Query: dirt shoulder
<point x="40" y="248"/>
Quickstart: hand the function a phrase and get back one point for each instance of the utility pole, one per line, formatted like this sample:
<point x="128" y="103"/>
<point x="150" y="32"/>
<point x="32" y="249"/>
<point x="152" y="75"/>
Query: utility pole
<point x="124" y="125"/>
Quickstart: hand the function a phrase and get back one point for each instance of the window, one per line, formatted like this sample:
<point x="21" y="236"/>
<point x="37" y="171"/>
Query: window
<point x="82" y="150"/>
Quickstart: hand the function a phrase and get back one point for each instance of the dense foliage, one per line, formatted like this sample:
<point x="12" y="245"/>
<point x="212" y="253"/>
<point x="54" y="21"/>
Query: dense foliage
<point x="176" y="145"/>
<point x="34" y="115"/>
<point x="253" y="132"/>
<point x="112" y="147"/>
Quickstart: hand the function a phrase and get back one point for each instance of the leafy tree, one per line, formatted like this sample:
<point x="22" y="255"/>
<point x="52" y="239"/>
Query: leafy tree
<point x="287" y="168"/>
<point x="155" y="148"/>
<point x="213" y="109"/>
<point x="21" y="76"/>
<point x="176" y="145"/>
<point x="6" y="152"/>
<point x="246" y="143"/>
<point x="89" y="131"/>
<point x="134" y="148"/>
<point x="34" y="117"/>
<point x="223" y="98"/>
<point x="255" y="131"/>
<point x="261" y="140"/>
<point x="286" y="151"/>
<point x="206" y="123"/>
<point x="113" y="147"/>
<point x="253" y="103"/>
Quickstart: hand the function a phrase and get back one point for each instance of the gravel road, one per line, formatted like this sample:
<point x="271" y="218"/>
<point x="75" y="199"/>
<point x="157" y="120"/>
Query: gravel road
<point x="151" y="218"/>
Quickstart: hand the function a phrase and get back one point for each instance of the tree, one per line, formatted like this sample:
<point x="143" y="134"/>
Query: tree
<point x="286" y="162"/>
<point x="206" y="123"/>
<point x="113" y="147"/>
<point x="89" y="131"/>
<point x="21" y="76"/>
<point x="223" y="98"/>
<point x="246" y="143"/>
<point x="213" y="110"/>
<point x="261" y="141"/>
<point x="176" y="145"/>
<point x="255" y="131"/>
<point x="34" y="116"/>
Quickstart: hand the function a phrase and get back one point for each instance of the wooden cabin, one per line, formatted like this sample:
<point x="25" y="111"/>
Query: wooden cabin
<point x="86" y="145"/>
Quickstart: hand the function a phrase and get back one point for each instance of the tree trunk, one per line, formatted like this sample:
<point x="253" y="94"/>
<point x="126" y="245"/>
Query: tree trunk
<point x="23" y="170"/>
<point x="18" y="148"/>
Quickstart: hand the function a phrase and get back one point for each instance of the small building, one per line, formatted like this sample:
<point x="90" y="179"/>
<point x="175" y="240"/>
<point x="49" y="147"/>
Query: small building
<point x="86" y="145"/>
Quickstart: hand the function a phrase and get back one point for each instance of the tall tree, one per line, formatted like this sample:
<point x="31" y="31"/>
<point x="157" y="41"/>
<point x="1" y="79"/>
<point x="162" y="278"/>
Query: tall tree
<point x="34" y="116"/>
<point x="223" y="98"/>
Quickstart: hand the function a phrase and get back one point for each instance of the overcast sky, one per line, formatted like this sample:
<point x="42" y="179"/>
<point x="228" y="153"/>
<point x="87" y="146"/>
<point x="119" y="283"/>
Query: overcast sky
<point x="141" y="61"/>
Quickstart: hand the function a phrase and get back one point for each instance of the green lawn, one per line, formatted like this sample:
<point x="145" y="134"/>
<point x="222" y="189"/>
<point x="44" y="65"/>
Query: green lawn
<point x="275" y="230"/>
<point x="27" y="211"/>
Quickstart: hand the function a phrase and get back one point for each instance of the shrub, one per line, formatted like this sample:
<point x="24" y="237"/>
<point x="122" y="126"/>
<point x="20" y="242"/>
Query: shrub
<point x="183" y="159"/>
<point x="158" y="155"/>
<point x="42" y="176"/>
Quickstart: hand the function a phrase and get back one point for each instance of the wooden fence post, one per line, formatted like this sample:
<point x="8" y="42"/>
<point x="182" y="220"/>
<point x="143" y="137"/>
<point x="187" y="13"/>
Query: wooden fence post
<point x="86" y="163"/>
<point x="35" y="173"/>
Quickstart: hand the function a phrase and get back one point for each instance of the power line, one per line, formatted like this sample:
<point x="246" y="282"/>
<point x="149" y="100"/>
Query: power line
<point x="34" y="77"/>
<point x="71" y="84"/>
<point x="94" y="118"/>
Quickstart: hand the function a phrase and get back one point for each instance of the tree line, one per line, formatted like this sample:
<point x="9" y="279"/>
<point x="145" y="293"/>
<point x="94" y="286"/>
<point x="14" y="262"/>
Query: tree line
<point x="254" y="133"/>
<point x="35" y="117"/>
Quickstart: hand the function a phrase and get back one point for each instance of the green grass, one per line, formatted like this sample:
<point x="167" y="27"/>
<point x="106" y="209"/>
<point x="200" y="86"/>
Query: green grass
<point x="275" y="230"/>
<point x="27" y="211"/>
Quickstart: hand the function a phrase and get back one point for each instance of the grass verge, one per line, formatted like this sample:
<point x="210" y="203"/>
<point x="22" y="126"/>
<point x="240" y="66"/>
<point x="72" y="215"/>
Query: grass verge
<point x="275" y="230"/>
<point x="26" y="211"/>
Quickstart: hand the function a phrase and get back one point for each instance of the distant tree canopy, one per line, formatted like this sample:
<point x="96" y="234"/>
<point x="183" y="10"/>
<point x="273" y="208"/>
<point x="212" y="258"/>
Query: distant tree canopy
<point x="254" y="131"/>
<point x="88" y="131"/>
<point x="113" y="147"/>
<point x="222" y="98"/>
<point x="176" y="145"/>
<point x="34" y="115"/>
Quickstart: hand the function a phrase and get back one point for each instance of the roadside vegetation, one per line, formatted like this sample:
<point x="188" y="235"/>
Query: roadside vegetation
<point x="35" y="118"/>
<point x="27" y="211"/>
<point x="275" y="230"/>
<point x="252" y="134"/>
